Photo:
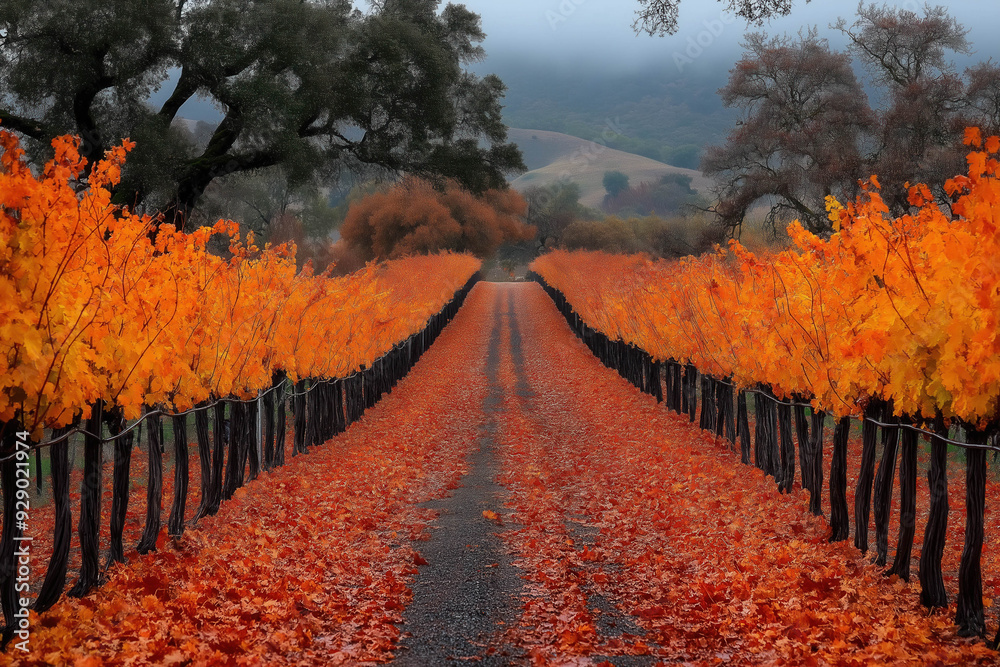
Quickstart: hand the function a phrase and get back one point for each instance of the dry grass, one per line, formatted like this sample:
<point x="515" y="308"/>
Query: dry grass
<point x="554" y="157"/>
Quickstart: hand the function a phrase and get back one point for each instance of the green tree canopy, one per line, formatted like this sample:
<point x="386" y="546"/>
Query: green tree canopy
<point x="615" y="182"/>
<point x="305" y="84"/>
<point x="554" y="207"/>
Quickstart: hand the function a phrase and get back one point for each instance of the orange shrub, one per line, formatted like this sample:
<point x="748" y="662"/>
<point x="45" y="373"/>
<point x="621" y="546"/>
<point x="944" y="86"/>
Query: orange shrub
<point x="413" y="217"/>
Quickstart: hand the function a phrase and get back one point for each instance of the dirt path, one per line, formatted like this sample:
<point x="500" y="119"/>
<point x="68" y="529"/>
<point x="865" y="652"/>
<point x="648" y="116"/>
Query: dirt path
<point x="468" y="591"/>
<point x="467" y="599"/>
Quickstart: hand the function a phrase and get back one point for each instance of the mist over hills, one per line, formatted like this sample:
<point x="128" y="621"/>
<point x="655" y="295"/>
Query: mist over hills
<point x="657" y="111"/>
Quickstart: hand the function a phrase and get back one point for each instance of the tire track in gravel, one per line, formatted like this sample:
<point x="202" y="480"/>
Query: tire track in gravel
<point x="467" y="593"/>
<point x="610" y="623"/>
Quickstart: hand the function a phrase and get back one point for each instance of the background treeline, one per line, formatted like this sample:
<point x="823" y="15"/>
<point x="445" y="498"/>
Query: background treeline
<point x="809" y="131"/>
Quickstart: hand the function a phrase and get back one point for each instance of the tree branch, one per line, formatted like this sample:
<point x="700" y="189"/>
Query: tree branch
<point x="26" y="126"/>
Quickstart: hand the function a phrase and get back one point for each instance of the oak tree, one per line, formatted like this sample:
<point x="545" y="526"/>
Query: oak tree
<point x="304" y="85"/>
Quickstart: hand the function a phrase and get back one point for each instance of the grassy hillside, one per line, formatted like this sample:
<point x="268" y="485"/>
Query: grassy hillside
<point x="552" y="156"/>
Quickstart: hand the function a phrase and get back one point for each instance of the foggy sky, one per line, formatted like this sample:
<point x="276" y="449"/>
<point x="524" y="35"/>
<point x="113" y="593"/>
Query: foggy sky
<point x="567" y="36"/>
<point x="598" y="33"/>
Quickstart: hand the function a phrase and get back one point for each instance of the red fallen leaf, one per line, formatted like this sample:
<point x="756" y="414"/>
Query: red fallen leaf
<point x="568" y="638"/>
<point x="161" y="539"/>
<point x="493" y="516"/>
<point x="655" y="611"/>
<point x="175" y="658"/>
<point x="418" y="559"/>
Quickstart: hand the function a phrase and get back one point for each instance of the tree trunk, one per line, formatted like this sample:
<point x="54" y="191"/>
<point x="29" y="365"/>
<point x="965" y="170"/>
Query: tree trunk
<point x="839" y="521"/>
<point x="743" y="425"/>
<point x="969" y="617"/>
<point x="907" y="504"/>
<point x="205" y="460"/>
<point x="863" y="494"/>
<point x="816" y="462"/>
<point x="89" y="527"/>
<point x="234" y="459"/>
<point x="932" y="591"/>
<point x="691" y="375"/>
<point x="883" y="491"/>
<point x="175" y="525"/>
<point x="253" y="445"/>
<point x="706" y="420"/>
<point x="802" y="435"/>
<point x="339" y="419"/>
<point x="154" y="488"/>
<point x="13" y="528"/>
<point x="299" y="408"/>
<point x="682" y="377"/>
<point x="119" y="485"/>
<point x="720" y="408"/>
<point x="268" y="406"/>
<point x="787" y="447"/>
<point x="655" y="383"/>
<point x="218" y="455"/>
<point x="767" y="413"/>
<point x="240" y="433"/>
<point x="728" y="409"/>
<point x="759" y="437"/>
<point x="55" y="574"/>
<point x="314" y="421"/>
<point x="279" y="443"/>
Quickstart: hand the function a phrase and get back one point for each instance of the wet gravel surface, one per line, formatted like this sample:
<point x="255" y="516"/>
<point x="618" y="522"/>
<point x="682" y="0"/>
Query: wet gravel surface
<point x="468" y="593"/>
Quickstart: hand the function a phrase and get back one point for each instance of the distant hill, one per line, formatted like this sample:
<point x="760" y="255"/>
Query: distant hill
<point x="552" y="156"/>
<point x="656" y="111"/>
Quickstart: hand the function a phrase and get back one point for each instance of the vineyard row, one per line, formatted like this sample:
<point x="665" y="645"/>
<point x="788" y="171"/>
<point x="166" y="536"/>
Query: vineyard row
<point x="229" y="456"/>
<point x="771" y="449"/>
<point x="108" y="316"/>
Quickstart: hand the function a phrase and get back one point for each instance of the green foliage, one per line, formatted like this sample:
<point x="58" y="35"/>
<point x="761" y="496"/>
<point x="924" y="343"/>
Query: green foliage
<point x="659" y="17"/>
<point x="615" y="182"/>
<point x="319" y="218"/>
<point x="553" y="208"/>
<point x="308" y="85"/>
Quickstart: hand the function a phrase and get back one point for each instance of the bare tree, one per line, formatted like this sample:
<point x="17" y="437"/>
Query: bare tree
<point x="920" y="125"/>
<point x="900" y="47"/>
<point x="920" y="138"/>
<point x="983" y="96"/>
<point x="799" y="138"/>
<point x="808" y="130"/>
<point x="659" y="17"/>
